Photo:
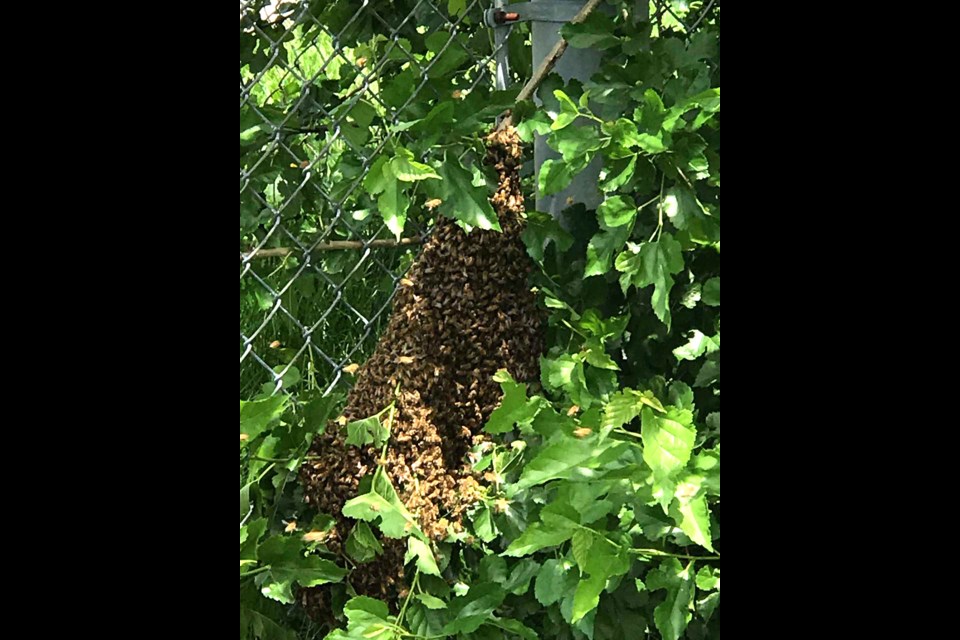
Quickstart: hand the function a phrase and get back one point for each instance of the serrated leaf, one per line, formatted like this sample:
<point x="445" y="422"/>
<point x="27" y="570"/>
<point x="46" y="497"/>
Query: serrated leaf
<point x="693" y="518"/>
<point x="537" y="123"/>
<point x="362" y="545"/>
<point x="568" y="459"/>
<point x="289" y="565"/>
<point x="617" y="211"/>
<point x="518" y="581"/>
<point x="462" y="200"/>
<point x="555" y="176"/>
<point x="602" y="563"/>
<point x="596" y="355"/>
<point x="706" y="606"/>
<point x="405" y="168"/>
<point x="515" y="408"/>
<point x="549" y="586"/>
<point x="667" y="441"/>
<point x="575" y="144"/>
<point x="375" y="181"/>
<point x="596" y="32"/>
<point x="473" y="609"/>
<point x="366" y="431"/>
<point x="425" y="560"/>
<point x="620" y="176"/>
<point x="673" y="614"/>
<point x="384" y="505"/>
<point x="698" y="345"/>
<point x="567" y="105"/>
<point x="602" y="248"/>
<point x="581" y="543"/>
<point x="708" y="578"/>
<point x="431" y="602"/>
<point x="537" y="536"/>
<point x="393" y="203"/>
<point x="652" y="263"/>
<point x="366" y="618"/>
<point x="257" y="415"/>
<point x="514" y="627"/>
<point x="541" y="230"/>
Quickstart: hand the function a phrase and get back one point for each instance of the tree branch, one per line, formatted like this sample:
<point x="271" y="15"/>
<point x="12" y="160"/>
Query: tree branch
<point x="335" y="245"/>
<point x="548" y="63"/>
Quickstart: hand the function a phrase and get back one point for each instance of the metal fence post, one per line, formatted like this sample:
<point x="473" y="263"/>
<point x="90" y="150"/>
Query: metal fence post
<point x="578" y="64"/>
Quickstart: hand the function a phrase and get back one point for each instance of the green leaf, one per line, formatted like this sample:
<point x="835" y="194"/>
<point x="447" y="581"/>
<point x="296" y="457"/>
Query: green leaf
<point x="652" y="263"/>
<point x="673" y="614"/>
<point x="698" y="345"/>
<point x="375" y="181"/>
<point x="537" y="536"/>
<point x="431" y="602"/>
<point x="250" y="538"/>
<point x="382" y="503"/>
<point x="393" y="203"/>
<point x="563" y="120"/>
<point x="257" y="415"/>
<point x="693" y="518"/>
<point x="576" y="144"/>
<point x="366" y="618"/>
<point x="542" y="229"/>
<point x="601" y="249"/>
<point x="425" y="560"/>
<point x="367" y="431"/>
<point x="602" y="562"/>
<point x="711" y="292"/>
<point x="288" y="565"/>
<point x="514" y="627"/>
<point x="708" y="578"/>
<point x="362" y="545"/>
<point x="536" y="123"/>
<point x="597" y="356"/>
<point x="456" y="7"/>
<point x="405" y="168"/>
<point x="685" y="211"/>
<point x="596" y="32"/>
<point x="667" y="443"/>
<point x="473" y="609"/>
<point x="706" y="606"/>
<point x="580" y="544"/>
<point x="617" y="211"/>
<point x="463" y="201"/>
<point x="550" y="585"/>
<point x="519" y="580"/>
<point x="555" y="176"/>
<point x="569" y="458"/>
<point x="620" y="176"/>
<point x="514" y="409"/>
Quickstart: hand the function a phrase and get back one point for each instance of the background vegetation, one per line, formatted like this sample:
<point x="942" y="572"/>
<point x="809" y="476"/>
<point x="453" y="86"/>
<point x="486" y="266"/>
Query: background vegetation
<point x="603" y="518"/>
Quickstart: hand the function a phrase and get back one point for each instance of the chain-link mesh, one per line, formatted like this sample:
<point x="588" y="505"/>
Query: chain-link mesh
<point x="326" y="88"/>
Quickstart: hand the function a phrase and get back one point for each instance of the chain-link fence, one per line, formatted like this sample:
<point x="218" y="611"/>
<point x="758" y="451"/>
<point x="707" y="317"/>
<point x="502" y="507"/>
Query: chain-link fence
<point x="326" y="88"/>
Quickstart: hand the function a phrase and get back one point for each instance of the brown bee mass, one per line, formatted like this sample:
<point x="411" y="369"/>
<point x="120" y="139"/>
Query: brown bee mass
<point x="464" y="311"/>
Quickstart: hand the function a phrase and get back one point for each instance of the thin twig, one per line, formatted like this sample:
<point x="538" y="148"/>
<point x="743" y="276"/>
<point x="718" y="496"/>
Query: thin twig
<point x="335" y="245"/>
<point x="546" y="66"/>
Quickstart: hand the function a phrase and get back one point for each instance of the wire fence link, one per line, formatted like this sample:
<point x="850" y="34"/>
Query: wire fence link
<point x="327" y="89"/>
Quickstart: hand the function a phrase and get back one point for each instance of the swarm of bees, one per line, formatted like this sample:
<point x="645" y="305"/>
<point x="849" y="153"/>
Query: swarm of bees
<point x="464" y="311"/>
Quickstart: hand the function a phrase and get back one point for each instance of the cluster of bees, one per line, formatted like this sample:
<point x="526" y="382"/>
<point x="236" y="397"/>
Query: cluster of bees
<point x="463" y="311"/>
